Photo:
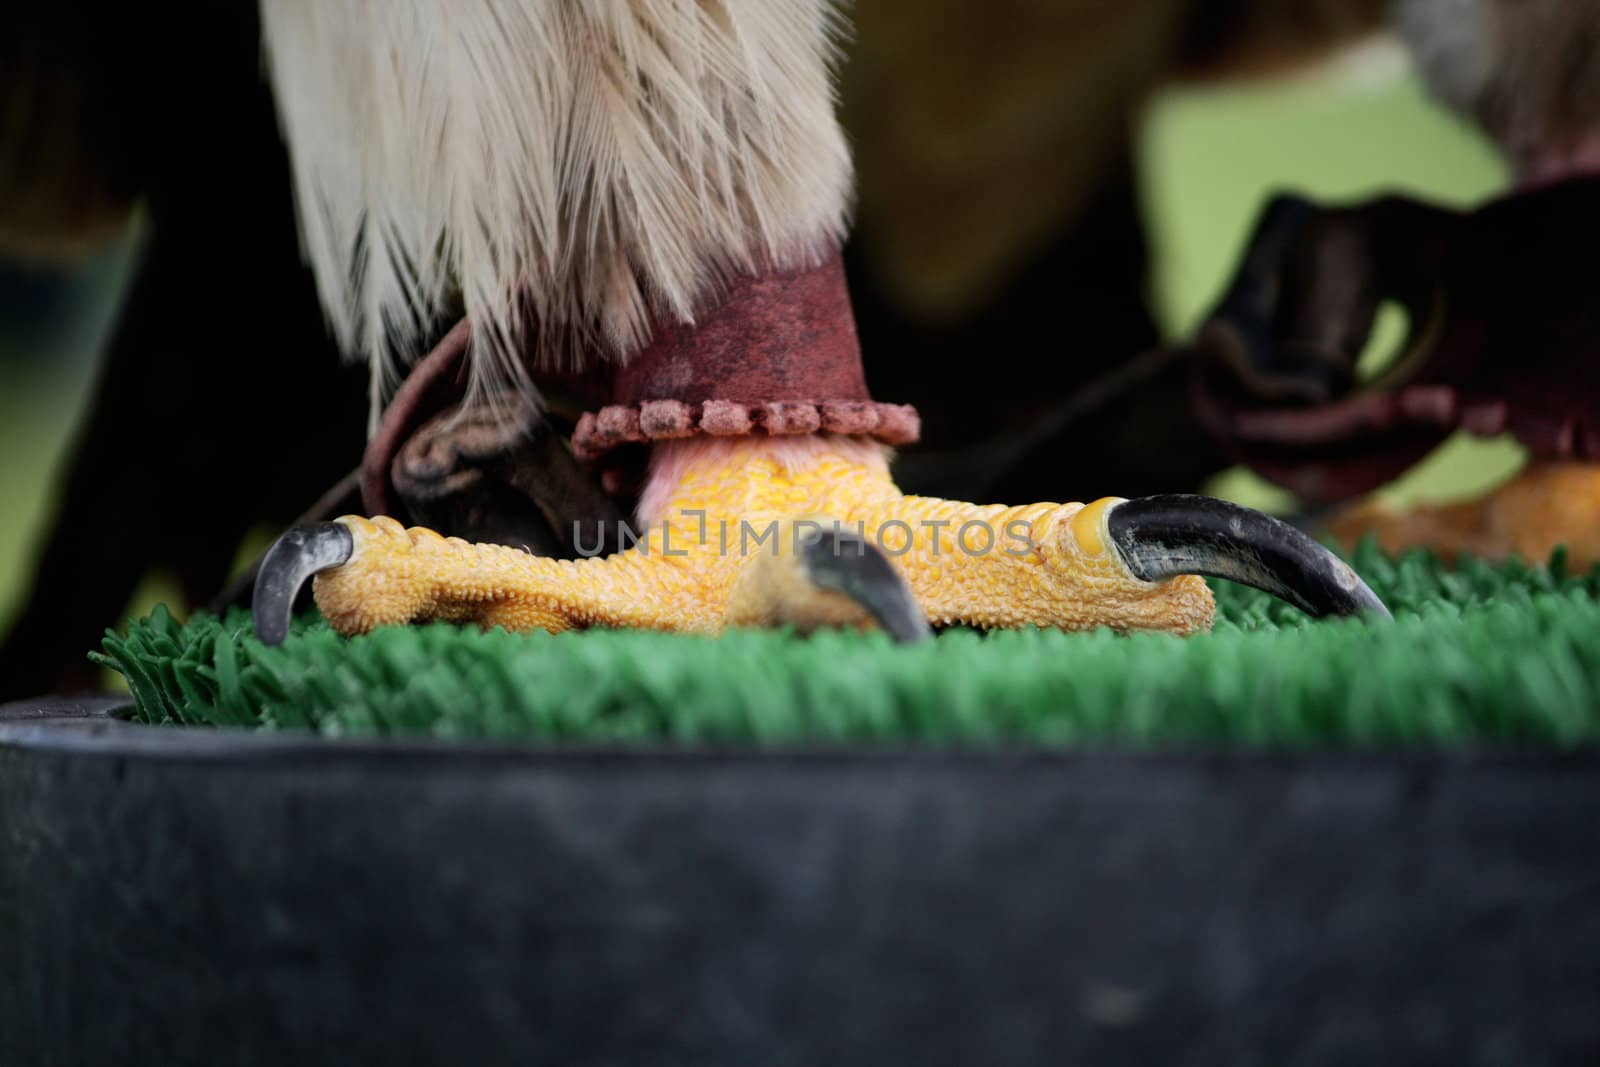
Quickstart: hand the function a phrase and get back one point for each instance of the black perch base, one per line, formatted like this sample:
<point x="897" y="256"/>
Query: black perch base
<point x="210" y="897"/>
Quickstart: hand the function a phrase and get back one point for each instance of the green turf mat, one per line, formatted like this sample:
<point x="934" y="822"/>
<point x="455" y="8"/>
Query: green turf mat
<point x="1505" y="654"/>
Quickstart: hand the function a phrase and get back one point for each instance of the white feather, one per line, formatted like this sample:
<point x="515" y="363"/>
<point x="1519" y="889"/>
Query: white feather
<point x="1452" y="41"/>
<point x="567" y="169"/>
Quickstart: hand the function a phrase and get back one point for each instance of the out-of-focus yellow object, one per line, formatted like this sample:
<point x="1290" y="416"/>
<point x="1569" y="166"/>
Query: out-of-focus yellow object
<point x="1540" y="508"/>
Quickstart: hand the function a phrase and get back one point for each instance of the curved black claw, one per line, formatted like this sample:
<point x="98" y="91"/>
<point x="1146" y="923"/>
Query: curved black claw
<point x="849" y="564"/>
<point x="292" y="559"/>
<point x="1165" y="536"/>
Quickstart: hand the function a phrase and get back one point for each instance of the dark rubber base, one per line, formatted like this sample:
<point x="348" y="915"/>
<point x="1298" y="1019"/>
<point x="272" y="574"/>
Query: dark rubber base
<point x="204" y="897"/>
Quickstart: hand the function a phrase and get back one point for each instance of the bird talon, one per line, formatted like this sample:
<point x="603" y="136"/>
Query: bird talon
<point x="296" y="556"/>
<point x="821" y="577"/>
<point x="888" y="560"/>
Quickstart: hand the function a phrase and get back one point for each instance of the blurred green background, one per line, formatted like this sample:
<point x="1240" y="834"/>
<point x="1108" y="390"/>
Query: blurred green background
<point x="1211" y="158"/>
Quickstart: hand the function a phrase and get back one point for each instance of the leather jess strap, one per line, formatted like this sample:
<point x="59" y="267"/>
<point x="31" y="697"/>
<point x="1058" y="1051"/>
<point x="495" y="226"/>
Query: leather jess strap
<point x="777" y="355"/>
<point x="1505" y="336"/>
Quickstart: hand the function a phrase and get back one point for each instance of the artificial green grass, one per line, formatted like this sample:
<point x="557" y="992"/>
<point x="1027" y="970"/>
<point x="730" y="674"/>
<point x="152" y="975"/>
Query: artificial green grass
<point x="1505" y="654"/>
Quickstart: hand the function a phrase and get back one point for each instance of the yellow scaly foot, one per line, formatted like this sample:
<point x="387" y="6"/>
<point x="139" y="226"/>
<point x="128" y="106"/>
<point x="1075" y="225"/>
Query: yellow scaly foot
<point x="732" y="538"/>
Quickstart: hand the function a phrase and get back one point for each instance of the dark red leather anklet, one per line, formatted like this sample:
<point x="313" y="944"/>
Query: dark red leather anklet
<point x="778" y="355"/>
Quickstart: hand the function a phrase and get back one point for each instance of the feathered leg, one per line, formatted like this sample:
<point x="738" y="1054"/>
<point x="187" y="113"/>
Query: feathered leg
<point x="660" y="185"/>
<point x="1504" y="338"/>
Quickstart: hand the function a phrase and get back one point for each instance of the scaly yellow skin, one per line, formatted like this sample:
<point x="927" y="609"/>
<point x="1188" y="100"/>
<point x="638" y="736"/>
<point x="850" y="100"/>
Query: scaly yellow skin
<point x="1042" y="564"/>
